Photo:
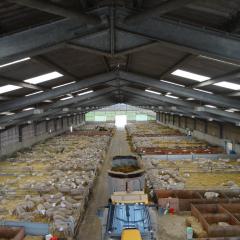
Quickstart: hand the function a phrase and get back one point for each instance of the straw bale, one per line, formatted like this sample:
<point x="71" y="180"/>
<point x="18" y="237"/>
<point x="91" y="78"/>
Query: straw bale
<point x="197" y="227"/>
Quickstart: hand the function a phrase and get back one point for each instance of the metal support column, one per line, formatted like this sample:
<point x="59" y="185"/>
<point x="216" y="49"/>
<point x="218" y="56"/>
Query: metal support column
<point x="61" y="123"/>
<point x="221" y="128"/>
<point x="112" y="30"/>
<point x="55" y="125"/>
<point x="195" y="124"/>
<point x="35" y="128"/>
<point x="68" y="122"/>
<point x="206" y="127"/>
<point x="20" y="136"/>
<point x="0" y="141"/>
<point x="186" y="125"/>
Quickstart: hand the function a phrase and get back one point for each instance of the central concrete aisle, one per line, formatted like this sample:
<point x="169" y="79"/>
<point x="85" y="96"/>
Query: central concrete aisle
<point x="91" y="227"/>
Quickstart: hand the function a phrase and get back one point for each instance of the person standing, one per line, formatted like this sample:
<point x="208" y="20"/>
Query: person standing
<point x="189" y="134"/>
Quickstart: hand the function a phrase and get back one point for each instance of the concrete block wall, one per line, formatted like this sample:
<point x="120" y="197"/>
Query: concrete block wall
<point x="200" y="125"/>
<point x="190" y="123"/>
<point x="214" y="129"/>
<point x="58" y="124"/>
<point x="182" y="122"/>
<point x="213" y="132"/>
<point x="65" y="121"/>
<point x="19" y="137"/>
<point x="27" y="132"/>
<point x="40" y="128"/>
<point x="51" y="126"/>
<point x="10" y="136"/>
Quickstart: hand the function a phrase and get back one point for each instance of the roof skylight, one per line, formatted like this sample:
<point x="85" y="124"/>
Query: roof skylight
<point x="7" y="113"/>
<point x="232" y="110"/>
<point x="15" y="62"/>
<point x="62" y="85"/>
<point x="172" y="96"/>
<point x="200" y="90"/>
<point x="190" y="75"/>
<point x="80" y="90"/>
<point x="28" y="109"/>
<point x="150" y="91"/>
<point x="177" y="84"/>
<point x="84" y="93"/>
<point x="229" y="85"/>
<point x="66" y="98"/>
<point x="44" y="78"/>
<point x="30" y="94"/>
<point x="210" y="106"/>
<point x="8" y="88"/>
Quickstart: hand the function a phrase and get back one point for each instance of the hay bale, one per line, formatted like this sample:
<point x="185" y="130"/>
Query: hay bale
<point x="33" y="238"/>
<point x="196" y="226"/>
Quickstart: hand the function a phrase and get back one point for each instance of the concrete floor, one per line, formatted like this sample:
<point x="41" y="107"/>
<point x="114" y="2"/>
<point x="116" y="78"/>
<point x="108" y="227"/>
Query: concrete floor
<point x="172" y="227"/>
<point x="91" y="227"/>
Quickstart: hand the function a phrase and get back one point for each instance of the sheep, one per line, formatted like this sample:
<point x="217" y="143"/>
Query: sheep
<point x="211" y="195"/>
